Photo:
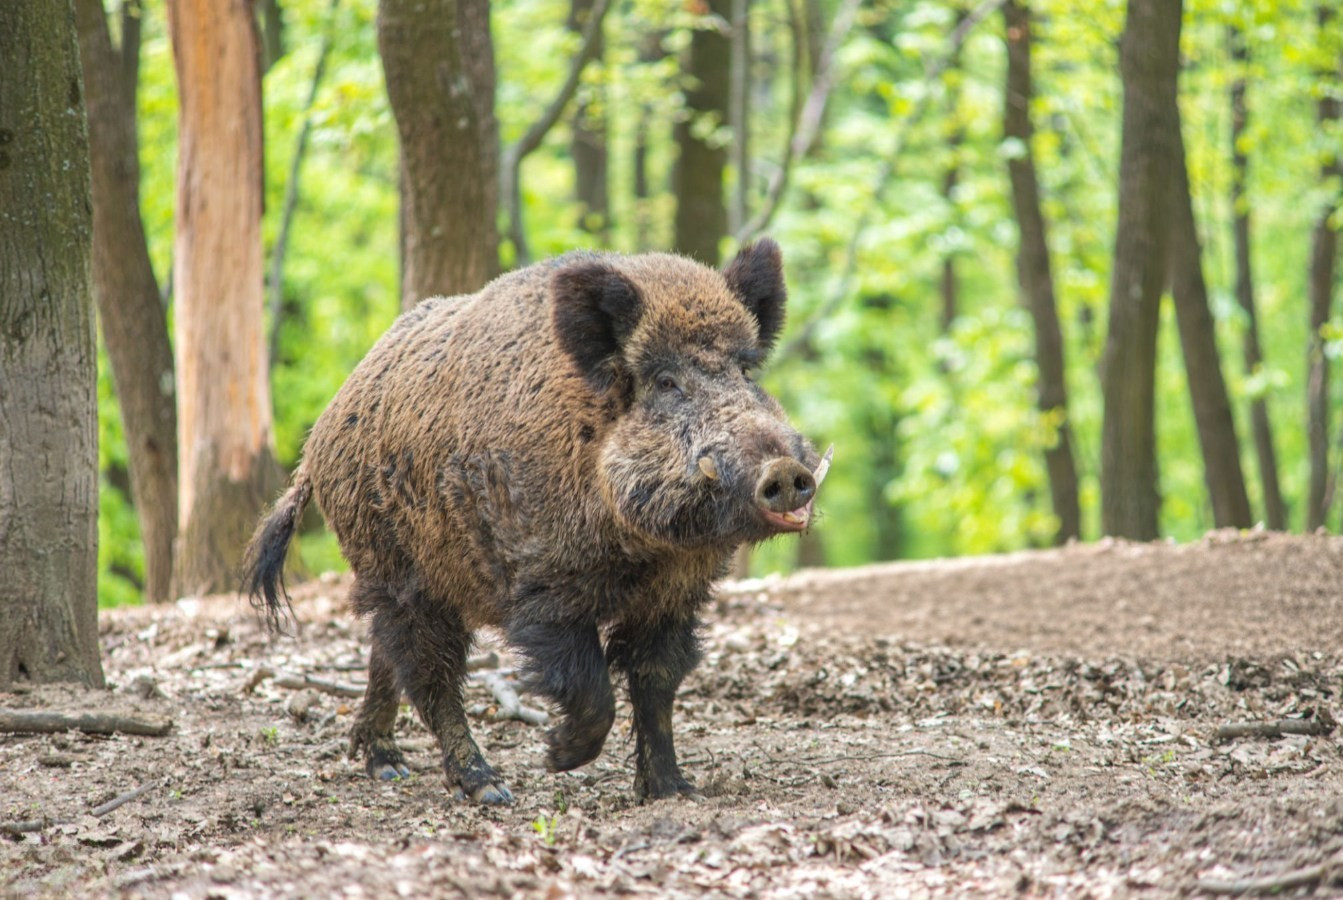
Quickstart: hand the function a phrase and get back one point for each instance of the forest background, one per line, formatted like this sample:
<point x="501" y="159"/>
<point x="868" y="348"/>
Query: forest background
<point x="911" y="344"/>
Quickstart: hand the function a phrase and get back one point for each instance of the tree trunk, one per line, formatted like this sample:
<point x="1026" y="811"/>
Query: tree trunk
<point x="1149" y="67"/>
<point x="48" y="379"/>
<point x="1275" y="510"/>
<point x="739" y="112"/>
<point x="1323" y="252"/>
<point x="951" y="175"/>
<point x="1203" y="367"/>
<point x="701" y="213"/>
<point x="439" y="66"/>
<point x="1035" y="273"/>
<point x="588" y="144"/>
<point x="135" y="328"/>
<point x="227" y="471"/>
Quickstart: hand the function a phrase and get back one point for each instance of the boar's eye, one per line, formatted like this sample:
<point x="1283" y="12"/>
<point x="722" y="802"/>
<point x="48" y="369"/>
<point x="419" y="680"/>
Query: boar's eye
<point x="667" y="385"/>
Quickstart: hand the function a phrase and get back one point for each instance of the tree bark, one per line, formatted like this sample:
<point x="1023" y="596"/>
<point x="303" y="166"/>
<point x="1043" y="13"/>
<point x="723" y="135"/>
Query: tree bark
<point x="701" y="211"/>
<point x="1203" y="368"/>
<point x="48" y="377"/>
<point x="227" y="470"/>
<point x="135" y="328"/>
<point x="1275" y="509"/>
<point x="1323" y="252"/>
<point x="588" y="144"/>
<point x="439" y="66"/>
<point x="951" y="176"/>
<point x="739" y="112"/>
<point x="1035" y="273"/>
<point x="1149" y="67"/>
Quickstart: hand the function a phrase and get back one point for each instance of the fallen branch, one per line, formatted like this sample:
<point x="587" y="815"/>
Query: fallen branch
<point x="325" y="685"/>
<point x="510" y="707"/>
<point x="29" y="825"/>
<point x="1269" y="884"/>
<point x="22" y="721"/>
<point x="123" y="799"/>
<point x="1272" y="729"/>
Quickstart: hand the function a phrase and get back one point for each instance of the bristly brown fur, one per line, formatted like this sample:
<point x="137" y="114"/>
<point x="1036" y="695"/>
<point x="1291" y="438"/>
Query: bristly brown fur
<point x="527" y="458"/>
<point x="264" y="559"/>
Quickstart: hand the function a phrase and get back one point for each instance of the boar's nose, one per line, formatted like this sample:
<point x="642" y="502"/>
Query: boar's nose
<point x="785" y="485"/>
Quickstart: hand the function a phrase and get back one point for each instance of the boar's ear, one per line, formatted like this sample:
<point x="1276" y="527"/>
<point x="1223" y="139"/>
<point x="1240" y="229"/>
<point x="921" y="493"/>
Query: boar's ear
<point x="595" y="308"/>
<point x="756" y="277"/>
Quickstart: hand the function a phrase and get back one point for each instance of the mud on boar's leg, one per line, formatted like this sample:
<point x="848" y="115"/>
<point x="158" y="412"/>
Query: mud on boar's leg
<point x="372" y="735"/>
<point x="565" y="664"/>
<point x="428" y="643"/>
<point x="655" y="659"/>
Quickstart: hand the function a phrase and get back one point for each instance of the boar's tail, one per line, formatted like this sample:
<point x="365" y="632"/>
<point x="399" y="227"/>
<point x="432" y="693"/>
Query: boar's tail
<point x="263" y="564"/>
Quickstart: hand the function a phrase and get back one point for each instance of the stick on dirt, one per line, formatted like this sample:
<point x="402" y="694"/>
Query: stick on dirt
<point x="24" y="721"/>
<point x="1269" y="884"/>
<point x="510" y="707"/>
<point x="28" y="825"/>
<point x="1271" y="729"/>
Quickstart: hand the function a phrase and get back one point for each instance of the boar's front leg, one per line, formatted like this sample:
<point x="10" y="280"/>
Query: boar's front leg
<point x="655" y="658"/>
<point x="426" y="642"/>
<point x="564" y="663"/>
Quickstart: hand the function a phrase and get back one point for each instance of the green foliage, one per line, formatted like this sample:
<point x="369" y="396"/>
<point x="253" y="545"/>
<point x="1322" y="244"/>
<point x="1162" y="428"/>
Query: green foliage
<point x="938" y="441"/>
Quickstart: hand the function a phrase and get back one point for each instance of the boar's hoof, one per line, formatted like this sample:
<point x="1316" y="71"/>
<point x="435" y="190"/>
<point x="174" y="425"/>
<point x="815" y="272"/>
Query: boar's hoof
<point x="478" y="780"/>
<point x="384" y="762"/>
<point x="648" y="789"/>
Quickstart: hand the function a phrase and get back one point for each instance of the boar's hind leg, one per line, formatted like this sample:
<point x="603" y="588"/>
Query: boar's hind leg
<point x="427" y="642"/>
<point x="564" y="663"/>
<point x="655" y="658"/>
<point x="372" y="732"/>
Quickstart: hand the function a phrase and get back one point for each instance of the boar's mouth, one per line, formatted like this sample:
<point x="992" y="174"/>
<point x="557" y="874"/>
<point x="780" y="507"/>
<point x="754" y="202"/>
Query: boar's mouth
<point x="797" y="519"/>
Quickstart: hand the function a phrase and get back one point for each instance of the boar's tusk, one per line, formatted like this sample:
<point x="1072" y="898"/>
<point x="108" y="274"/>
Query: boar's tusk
<point x="823" y="467"/>
<point x="708" y="467"/>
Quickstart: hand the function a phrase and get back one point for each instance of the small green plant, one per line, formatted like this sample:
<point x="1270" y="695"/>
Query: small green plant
<point x="546" y="826"/>
<point x="271" y="735"/>
<point x="561" y="803"/>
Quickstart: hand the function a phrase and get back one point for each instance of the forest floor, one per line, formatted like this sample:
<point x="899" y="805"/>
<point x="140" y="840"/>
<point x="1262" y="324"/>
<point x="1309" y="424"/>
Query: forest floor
<point x="1042" y="723"/>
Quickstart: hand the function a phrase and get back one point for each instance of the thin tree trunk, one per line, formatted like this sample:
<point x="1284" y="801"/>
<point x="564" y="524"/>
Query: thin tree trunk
<point x="1149" y="67"/>
<point x="135" y="328"/>
<point x="951" y="176"/>
<point x="439" y="66"/>
<point x="48" y="379"/>
<point x="275" y="281"/>
<point x="272" y="32"/>
<point x="739" y="112"/>
<point x="588" y="144"/>
<point x="701" y="212"/>
<point x="1275" y="509"/>
<point x="1035" y="273"/>
<point x="227" y="467"/>
<point x="1203" y="367"/>
<point x="1323" y="252"/>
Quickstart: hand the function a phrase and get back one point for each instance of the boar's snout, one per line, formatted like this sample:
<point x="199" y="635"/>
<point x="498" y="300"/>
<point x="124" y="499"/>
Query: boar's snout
<point x="784" y="493"/>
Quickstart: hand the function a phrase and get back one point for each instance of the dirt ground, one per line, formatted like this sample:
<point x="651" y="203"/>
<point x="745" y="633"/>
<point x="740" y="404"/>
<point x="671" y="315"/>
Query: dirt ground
<point x="1040" y="724"/>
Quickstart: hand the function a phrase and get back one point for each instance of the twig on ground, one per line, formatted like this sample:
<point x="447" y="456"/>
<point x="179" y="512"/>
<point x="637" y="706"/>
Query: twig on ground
<point x="29" y="825"/>
<point x="1270" y="884"/>
<point x="122" y="799"/>
<point x="1272" y="729"/>
<point x="325" y="685"/>
<point x="483" y="661"/>
<point x="296" y="682"/>
<point x="510" y="707"/>
<point x="23" y="721"/>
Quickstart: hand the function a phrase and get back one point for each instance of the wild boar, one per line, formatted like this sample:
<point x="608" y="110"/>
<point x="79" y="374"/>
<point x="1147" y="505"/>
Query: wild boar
<point x="570" y="456"/>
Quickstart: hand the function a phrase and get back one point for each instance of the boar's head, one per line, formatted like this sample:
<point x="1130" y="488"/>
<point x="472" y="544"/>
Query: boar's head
<point x="698" y="453"/>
